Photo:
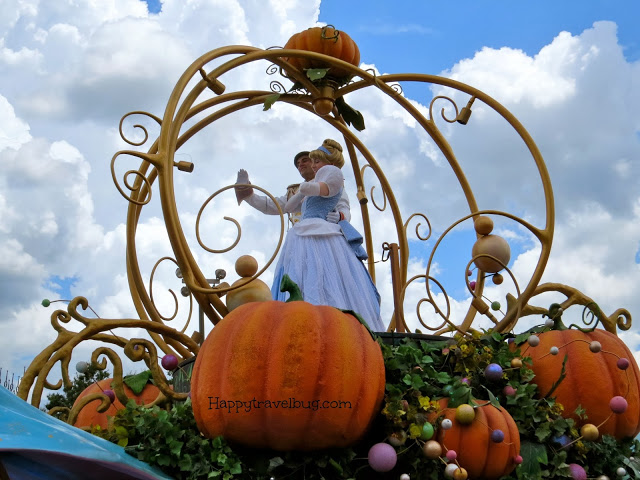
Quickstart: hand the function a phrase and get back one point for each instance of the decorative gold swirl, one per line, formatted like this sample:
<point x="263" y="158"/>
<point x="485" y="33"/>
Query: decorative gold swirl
<point x="621" y="318"/>
<point x="144" y="130"/>
<point x="152" y="159"/>
<point x="442" y="111"/>
<point x="105" y="403"/>
<point x="277" y="87"/>
<point x="175" y="297"/>
<point x="373" y="198"/>
<point x="219" y="290"/>
<point x="406" y="224"/>
<point x="396" y="87"/>
<point x="431" y="302"/>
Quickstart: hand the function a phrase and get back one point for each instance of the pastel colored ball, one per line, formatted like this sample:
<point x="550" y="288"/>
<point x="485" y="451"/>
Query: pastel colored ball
<point x="382" y="457"/>
<point x="446" y="424"/>
<point x="110" y="393"/>
<point x="618" y="404"/>
<point x="472" y="284"/>
<point x="432" y="449"/>
<point x="427" y="431"/>
<point x="493" y="372"/>
<point x="82" y="367"/>
<point x="169" y="362"/>
<point x="595" y="347"/>
<point x="577" y="472"/>
<point x="621" y="471"/>
<point x="497" y="436"/>
<point x="451" y="455"/>
<point x="465" y="414"/>
<point x="533" y="340"/>
<point x="623" y="363"/>
<point x="449" y="469"/>
<point x="518" y="459"/>
<point x="509" y="391"/>
<point x="590" y="432"/>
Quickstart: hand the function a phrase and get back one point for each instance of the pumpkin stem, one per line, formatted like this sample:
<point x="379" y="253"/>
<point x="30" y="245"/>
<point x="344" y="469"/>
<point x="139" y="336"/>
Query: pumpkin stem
<point x="555" y="314"/>
<point x="361" y="320"/>
<point x="288" y="285"/>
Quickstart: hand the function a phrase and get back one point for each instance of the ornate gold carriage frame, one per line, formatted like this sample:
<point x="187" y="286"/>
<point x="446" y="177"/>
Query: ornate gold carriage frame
<point x="158" y="165"/>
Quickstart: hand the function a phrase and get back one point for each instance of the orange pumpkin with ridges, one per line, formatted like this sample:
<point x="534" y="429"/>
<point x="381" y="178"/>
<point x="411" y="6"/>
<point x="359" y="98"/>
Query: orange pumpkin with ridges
<point x="325" y="40"/>
<point x="283" y="353"/>
<point x="88" y="416"/>
<point x="476" y="452"/>
<point x="592" y="379"/>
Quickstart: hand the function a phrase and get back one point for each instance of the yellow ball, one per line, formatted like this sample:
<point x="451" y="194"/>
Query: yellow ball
<point x="460" y="474"/>
<point x="465" y="414"/>
<point x="516" y="363"/>
<point x="589" y="432"/>
<point x="496" y="247"/>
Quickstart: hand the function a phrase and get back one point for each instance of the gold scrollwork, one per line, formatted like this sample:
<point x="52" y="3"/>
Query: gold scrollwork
<point x="373" y="198"/>
<point x="420" y="237"/>
<point x="219" y="290"/>
<point x="175" y="297"/>
<point x="142" y="127"/>
<point x="442" y="112"/>
<point x="150" y="158"/>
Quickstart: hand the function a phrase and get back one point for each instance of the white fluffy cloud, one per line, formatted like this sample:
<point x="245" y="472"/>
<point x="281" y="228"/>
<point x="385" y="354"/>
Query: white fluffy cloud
<point x="70" y="72"/>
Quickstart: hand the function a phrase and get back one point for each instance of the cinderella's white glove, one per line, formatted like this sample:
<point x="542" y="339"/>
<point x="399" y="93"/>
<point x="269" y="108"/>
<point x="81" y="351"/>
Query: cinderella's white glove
<point x="310" y="189"/>
<point x="333" y="217"/>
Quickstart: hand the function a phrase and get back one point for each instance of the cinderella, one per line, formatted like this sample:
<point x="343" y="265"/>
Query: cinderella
<point x="324" y="258"/>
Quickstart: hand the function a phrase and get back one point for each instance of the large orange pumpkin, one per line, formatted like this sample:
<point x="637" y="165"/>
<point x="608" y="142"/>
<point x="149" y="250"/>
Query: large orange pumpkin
<point x="476" y="452"/>
<point x="325" y="40"/>
<point x="288" y="376"/>
<point x="88" y="416"/>
<point x="592" y="379"/>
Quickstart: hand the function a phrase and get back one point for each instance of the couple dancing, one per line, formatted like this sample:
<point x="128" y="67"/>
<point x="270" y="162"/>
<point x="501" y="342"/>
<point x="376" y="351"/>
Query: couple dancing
<point x="322" y="253"/>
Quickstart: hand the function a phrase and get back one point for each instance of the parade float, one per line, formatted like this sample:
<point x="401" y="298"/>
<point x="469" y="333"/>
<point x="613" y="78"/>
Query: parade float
<point x="473" y="397"/>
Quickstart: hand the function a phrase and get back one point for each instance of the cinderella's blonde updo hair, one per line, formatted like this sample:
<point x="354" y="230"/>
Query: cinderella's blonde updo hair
<point x="330" y="151"/>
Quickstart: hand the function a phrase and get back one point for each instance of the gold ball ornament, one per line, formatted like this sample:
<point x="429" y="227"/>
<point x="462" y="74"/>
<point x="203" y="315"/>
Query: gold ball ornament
<point x="516" y="363"/>
<point x="432" y="449"/>
<point x="495" y="246"/>
<point x="246" y="266"/>
<point x="483" y="225"/>
<point x="323" y="106"/>
<point x="460" y="474"/>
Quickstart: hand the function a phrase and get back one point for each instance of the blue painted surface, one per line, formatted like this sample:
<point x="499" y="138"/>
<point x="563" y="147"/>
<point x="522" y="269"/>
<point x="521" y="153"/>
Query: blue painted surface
<point x="37" y="446"/>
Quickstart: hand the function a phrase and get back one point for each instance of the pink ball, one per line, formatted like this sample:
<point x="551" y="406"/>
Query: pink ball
<point x="618" y="404"/>
<point x="169" y="362"/>
<point x="451" y="455"/>
<point x="517" y="459"/>
<point x="577" y="472"/>
<point x="509" y="391"/>
<point x="109" y="393"/>
<point x="623" y="363"/>
<point x="382" y="457"/>
<point x="472" y="284"/>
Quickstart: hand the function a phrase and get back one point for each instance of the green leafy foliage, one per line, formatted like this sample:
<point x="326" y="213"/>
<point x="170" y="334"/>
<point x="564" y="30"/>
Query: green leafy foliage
<point x="138" y="381"/>
<point x="69" y="393"/>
